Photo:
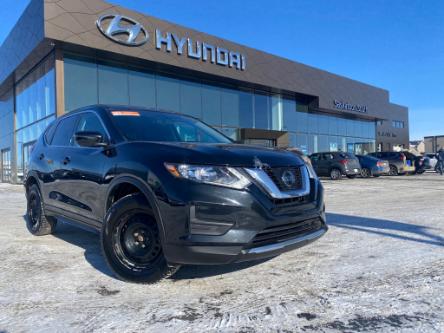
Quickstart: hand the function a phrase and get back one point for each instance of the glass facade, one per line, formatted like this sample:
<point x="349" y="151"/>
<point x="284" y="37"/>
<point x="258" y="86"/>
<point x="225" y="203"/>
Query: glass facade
<point x="35" y="109"/>
<point x="224" y="108"/>
<point x="6" y="135"/>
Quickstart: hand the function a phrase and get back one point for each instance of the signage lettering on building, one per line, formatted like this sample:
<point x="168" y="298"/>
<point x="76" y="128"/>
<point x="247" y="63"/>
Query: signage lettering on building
<point x="387" y="134"/>
<point x="340" y="105"/>
<point x="127" y="31"/>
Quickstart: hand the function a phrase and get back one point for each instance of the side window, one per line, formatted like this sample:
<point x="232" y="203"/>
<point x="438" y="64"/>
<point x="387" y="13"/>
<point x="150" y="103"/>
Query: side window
<point x="89" y="122"/>
<point x="63" y="135"/>
<point x="328" y="157"/>
<point x="314" y="158"/>
<point x="49" y="133"/>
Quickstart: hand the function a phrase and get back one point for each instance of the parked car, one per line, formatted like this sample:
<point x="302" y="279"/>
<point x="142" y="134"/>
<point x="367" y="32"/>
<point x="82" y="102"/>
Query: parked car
<point x="433" y="161"/>
<point x="421" y="162"/>
<point x="372" y="166"/>
<point x="399" y="164"/>
<point x="165" y="189"/>
<point x="335" y="164"/>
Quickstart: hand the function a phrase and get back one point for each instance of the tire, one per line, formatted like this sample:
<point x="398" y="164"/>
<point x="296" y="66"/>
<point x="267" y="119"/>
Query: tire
<point x="131" y="242"/>
<point x="393" y="171"/>
<point x="335" y="174"/>
<point x="351" y="176"/>
<point x="366" y="173"/>
<point x="37" y="222"/>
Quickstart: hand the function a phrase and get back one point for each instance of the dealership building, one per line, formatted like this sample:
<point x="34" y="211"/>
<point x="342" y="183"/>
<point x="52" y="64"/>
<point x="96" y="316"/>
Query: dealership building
<point x="66" y="54"/>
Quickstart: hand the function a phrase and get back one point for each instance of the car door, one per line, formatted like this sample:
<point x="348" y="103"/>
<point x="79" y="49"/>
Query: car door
<point x="326" y="163"/>
<point x="84" y="171"/>
<point x="57" y="144"/>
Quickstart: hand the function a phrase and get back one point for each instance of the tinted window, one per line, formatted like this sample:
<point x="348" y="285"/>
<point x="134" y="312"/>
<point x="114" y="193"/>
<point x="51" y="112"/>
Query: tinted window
<point x="64" y="132"/>
<point x="89" y="122"/>
<point x="314" y="157"/>
<point x="156" y="126"/>
<point x="49" y="133"/>
<point x="347" y="155"/>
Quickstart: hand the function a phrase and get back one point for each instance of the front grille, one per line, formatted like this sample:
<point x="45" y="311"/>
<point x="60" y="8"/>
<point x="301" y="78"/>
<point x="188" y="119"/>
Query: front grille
<point x="276" y="175"/>
<point x="280" y="233"/>
<point x="291" y="201"/>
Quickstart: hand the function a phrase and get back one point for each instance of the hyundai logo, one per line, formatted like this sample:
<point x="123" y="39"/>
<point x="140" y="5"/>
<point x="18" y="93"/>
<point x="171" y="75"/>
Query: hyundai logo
<point x="288" y="178"/>
<point x="122" y="30"/>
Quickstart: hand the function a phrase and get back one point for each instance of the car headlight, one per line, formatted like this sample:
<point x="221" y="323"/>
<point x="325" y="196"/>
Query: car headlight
<point x="311" y="171"/>
<point x="214" y="175"/>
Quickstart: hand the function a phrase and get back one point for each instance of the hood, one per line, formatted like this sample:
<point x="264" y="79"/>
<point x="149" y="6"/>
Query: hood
<point x="236" y="155"/>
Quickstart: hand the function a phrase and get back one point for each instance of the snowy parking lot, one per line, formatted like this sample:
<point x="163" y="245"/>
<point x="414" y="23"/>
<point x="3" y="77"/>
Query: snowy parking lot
<point x="379" y="268"/>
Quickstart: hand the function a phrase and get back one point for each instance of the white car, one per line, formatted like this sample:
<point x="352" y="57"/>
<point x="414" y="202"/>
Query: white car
<point x="433" y="160"/>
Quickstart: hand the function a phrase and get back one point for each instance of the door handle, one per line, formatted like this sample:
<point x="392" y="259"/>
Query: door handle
<point x="66" y="160"/>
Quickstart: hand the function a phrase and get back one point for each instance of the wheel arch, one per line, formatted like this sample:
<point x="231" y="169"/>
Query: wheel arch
<point x="137" y="183"/>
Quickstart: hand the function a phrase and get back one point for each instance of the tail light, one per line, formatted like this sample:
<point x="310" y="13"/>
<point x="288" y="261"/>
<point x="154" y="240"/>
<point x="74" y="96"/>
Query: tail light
<point x="402" y="157"/>
<point x="344" y="162"/>
<point x="380" y="164"/>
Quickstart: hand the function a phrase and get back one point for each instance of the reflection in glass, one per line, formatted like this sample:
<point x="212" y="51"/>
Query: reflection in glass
<point x="113" y="85"/>
<point x="80" y="84"/>
<point x="262" y="111"/>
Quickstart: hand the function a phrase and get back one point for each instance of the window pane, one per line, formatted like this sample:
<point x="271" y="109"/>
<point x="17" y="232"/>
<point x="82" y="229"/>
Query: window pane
<point x="323" y="124"/>
<point x="113" y="85"/>
<point x="168" y="94"/>
<point x="64" y="132"/>
<point x="142" y="89"/>
<point x="80" y="84"/>
<point x="276" y="112"/>
<point x="312" y="123"/>
<point x="211" y="105"/>
<point x="191" y="99"/>
<point x="312" y="144"/>
<point x="230" y="107"/>
<point x="342" y="126"/>
<point x="289" y="115"/>
<point x="323" y="144"/>
<point x="89" y="122"/>
<point x="333" y="143"/>
<point x="246" y="109"/>
<point x="302" y="121"/>
<point x="262" y="111"/>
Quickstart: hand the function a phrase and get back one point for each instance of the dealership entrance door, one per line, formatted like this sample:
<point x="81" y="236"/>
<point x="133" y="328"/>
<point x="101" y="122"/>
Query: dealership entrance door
<point x="5" y="176"/>
<point x="265" y="138"/>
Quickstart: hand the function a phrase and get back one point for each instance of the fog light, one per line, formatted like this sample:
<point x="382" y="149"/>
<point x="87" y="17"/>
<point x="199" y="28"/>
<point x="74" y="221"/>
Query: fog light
<point x="201" y="223"/>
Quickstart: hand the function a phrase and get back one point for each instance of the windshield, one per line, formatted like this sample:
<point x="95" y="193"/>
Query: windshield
<point x="145" y="125"/>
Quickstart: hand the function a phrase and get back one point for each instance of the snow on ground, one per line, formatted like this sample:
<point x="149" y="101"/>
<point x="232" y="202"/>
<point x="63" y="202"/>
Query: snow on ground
<point x="379" y="268"/>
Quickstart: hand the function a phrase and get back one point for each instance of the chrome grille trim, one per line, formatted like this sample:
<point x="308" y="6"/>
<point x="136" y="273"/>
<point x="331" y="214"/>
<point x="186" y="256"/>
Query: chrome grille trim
<point x="271" y="188"/>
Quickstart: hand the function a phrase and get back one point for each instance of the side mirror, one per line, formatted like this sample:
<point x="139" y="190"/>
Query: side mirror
<point x="90" y="139"/>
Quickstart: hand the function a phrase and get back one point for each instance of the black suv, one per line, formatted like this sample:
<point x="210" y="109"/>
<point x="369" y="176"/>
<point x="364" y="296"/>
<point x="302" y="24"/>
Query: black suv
<point x="336" y="164"/>
<point x="165" y="189"/>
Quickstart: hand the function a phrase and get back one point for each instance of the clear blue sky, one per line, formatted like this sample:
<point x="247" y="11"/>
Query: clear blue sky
<point x="397" y="45"/>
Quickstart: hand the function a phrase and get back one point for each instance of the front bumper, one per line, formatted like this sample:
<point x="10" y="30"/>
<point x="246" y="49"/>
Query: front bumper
<point x="239" y="225"/>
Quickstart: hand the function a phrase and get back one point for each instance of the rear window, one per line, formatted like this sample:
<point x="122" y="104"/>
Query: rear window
<point x="145" y="125"/>
<point x="347" y="156"/>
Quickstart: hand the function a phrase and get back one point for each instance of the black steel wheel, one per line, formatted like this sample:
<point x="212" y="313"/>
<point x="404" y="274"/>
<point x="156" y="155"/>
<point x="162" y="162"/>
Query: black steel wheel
<point x="131" y="242"/>
<point x="335" y="174"/>
<point x="37" y="222"/>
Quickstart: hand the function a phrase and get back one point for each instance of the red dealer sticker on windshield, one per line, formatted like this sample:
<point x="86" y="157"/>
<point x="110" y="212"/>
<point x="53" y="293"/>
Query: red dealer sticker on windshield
<point x="126" y="113"/>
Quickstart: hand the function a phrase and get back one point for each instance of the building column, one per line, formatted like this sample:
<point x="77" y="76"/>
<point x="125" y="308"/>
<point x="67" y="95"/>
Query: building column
<point x="59" y="83"/>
